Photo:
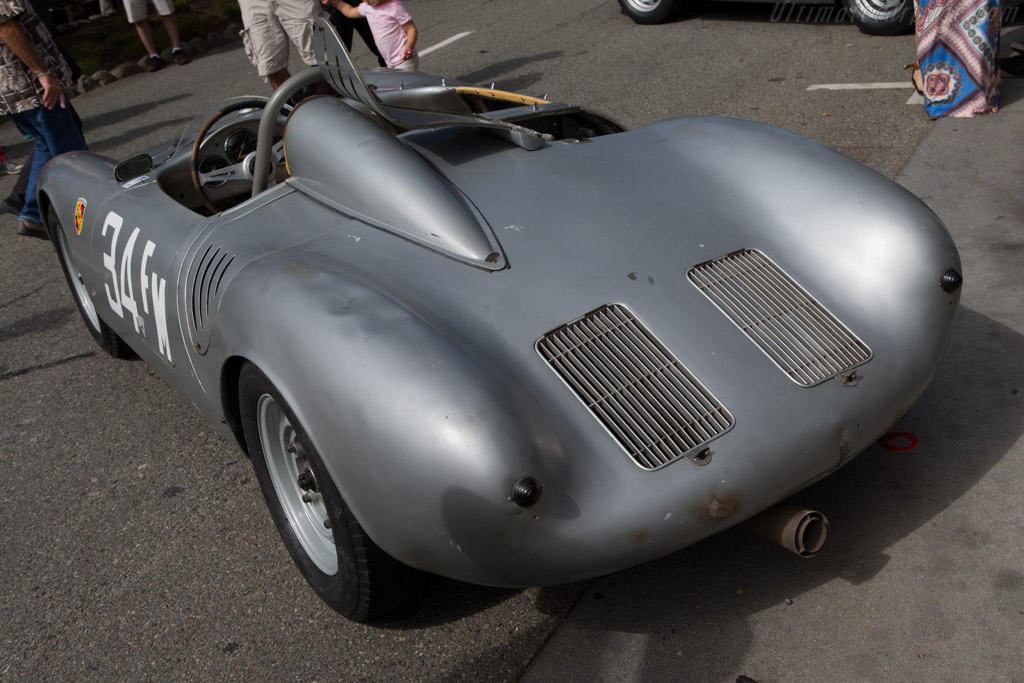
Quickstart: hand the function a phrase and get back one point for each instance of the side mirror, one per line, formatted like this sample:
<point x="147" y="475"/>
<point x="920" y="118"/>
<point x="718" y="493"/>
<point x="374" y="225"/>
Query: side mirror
<point x="133" y="167"/>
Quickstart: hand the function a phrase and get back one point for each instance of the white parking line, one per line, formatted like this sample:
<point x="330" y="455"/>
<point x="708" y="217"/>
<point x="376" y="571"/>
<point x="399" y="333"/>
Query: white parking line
<point x="443" y="43"/>
<point x="860" y="86"/>
<point x="914" y="99"/>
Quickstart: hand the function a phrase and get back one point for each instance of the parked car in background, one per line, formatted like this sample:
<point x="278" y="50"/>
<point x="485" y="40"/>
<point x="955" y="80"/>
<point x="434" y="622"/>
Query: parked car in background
<point x="874" y="17"/>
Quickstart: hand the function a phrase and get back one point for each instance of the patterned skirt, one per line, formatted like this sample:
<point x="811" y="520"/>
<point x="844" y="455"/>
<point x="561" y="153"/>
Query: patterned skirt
<point x="958" y="50"/>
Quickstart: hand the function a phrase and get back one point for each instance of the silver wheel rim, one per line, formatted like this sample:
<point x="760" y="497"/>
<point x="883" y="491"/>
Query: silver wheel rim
<point x="881" y="9"/>
<point x="644" y="5"/>
<point x="295" y="485"/>
<point x="81" y="293"/>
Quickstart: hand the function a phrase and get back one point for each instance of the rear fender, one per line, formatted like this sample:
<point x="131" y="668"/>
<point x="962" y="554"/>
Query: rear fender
<point x="392" y="405"/>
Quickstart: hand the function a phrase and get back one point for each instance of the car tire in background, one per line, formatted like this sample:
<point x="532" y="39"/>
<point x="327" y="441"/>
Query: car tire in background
<point x="339" y="561"/>
<point x="106" y="338"/>
<point x="882" y="17"/>
<point x="650" y="11"/>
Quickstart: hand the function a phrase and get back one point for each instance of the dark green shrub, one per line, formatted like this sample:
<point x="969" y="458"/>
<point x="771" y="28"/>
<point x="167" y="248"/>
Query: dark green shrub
<point x="230" y="10"/>
<point x="107" y="42"/>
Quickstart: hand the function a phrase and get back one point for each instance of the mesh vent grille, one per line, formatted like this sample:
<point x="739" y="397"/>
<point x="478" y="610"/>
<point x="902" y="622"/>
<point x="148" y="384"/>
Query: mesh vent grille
<point x="656" y="409"/>
<point x="807" y="342"/>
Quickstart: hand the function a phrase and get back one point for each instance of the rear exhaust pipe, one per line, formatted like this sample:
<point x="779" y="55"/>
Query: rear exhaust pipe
<point x="796" y="529"/>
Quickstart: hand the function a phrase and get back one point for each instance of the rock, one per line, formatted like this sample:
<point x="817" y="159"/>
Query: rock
<point x="216" y="40"/>
<point x="233" y="31"/>
<point x="103" y="77"/>
<point x="199" y="45"/>
<point x="126" y="69"/>
<point x="86" y="83"/>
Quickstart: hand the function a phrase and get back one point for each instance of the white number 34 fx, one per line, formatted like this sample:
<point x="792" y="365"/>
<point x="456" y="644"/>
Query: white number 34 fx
<point x="122" y="294"/>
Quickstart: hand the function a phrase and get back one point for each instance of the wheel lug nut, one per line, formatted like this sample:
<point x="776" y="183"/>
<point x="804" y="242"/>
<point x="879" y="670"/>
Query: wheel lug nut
<point x="306" y="481"/>
<point x="306" y="498"/>
<point x="327" y="524"/>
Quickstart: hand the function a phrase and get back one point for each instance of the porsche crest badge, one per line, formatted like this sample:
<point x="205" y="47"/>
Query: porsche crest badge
<point x="79" y="214"/>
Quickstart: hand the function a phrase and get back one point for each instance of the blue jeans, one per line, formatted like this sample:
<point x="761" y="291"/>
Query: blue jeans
<point x="55" y="132"/>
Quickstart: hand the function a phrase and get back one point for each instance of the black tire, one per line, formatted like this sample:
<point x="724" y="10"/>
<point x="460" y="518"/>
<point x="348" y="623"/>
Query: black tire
<point x="650" y="11"/>
<point x="882" y="17"/>
<point x="106" y="338"/>
<point x="340" y="562"/>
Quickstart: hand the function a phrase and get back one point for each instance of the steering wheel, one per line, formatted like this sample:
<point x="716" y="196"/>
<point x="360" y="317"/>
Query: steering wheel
<point x="242" y="171"/>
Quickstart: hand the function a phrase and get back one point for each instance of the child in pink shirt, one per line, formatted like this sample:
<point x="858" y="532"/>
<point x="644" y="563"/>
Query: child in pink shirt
<point x="392" y="27"/>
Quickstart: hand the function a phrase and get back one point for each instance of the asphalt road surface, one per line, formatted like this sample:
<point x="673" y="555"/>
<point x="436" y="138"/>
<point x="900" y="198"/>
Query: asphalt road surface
<point x="135" y="542"/>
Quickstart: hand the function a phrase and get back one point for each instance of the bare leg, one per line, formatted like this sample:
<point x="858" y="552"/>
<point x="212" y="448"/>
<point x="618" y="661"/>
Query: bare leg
<point x="171" y="26"/>
<point x="277" y="78"/>
<point x="146" y="35"/>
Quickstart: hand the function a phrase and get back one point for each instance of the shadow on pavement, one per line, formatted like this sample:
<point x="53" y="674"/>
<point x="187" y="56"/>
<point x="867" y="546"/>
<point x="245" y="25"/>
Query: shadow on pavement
<point x="492" y="72"/>
<point x="109" y="118"/>
<point x="102" y="145"/>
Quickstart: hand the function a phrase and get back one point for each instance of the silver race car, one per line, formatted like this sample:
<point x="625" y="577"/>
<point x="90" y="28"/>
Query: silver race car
<point x="501" y="339"/>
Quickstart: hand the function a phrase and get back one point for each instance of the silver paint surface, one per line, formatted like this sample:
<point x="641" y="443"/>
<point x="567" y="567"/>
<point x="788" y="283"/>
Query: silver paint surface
<point x="360" y="285"/>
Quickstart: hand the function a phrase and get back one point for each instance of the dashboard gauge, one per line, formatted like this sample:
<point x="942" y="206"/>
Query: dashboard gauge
<point x="212" y="163"/>
<point x="239" y="144"/>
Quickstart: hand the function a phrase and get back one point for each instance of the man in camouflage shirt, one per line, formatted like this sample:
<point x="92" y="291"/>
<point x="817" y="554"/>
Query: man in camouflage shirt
<point x="33" y="76"/>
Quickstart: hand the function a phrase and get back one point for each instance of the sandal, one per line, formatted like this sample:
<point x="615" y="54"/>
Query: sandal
<point x="915" y="77"/>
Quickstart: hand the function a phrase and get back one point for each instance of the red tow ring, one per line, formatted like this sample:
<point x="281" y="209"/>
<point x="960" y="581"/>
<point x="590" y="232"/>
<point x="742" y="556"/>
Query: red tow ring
<point x="898" y="442"/>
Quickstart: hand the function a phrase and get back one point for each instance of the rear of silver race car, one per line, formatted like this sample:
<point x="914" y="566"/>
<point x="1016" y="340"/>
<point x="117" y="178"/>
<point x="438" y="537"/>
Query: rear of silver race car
<point x="616" y="395"/>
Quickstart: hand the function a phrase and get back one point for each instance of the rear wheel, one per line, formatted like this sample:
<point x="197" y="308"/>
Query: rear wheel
<point x="649" y="11"/>
<point x="339" y="561"/>
<point x="104" y="336"/>
<point x="882" y="17"/>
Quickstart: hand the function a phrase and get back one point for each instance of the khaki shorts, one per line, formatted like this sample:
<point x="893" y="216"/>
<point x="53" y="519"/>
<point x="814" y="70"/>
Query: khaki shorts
<point x="137" y="10"/>
<point x="269" y="24"/>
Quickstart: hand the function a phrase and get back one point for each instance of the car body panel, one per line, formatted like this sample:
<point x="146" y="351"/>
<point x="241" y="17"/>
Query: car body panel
<point x="411" y="358"/>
